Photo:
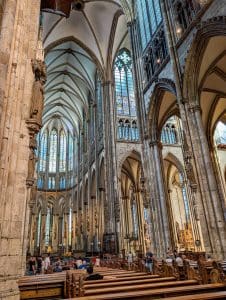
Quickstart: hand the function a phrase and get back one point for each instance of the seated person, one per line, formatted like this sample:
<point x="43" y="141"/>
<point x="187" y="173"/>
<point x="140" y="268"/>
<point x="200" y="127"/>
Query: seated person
<point x="179" y="260"/>
<point x="65" y="267"/>
<point x="58" y="268"/>
<point x="93" y="276"/>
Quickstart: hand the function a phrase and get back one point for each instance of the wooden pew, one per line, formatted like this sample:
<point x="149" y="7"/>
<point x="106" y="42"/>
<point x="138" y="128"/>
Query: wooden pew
<point x="62" y="285"/>
<point x="157" y="293"/>
<point x="203" y="296"/>
<point x="101" y="284"/>
<point x="135" y="287"/>
<point x="49" y="287"/>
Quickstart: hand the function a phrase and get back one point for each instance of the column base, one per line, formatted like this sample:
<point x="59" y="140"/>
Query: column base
<point x="9" y="288"/>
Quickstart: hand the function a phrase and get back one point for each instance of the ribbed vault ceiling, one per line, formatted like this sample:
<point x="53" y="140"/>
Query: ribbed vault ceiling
<point x="74" y="49"/>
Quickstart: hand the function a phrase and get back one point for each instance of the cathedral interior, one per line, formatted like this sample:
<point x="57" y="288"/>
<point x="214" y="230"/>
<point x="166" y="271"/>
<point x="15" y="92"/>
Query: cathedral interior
<point x="113" y="129"/>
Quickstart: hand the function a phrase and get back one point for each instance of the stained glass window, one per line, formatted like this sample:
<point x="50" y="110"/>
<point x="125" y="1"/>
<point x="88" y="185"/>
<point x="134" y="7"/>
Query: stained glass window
<point x="53" y="151"/>
<point x="70" y="153"/>
<point x="70" y="227"/>
<point x="170" y="131"/>
<point x="124" y="89"/>
<point x="48" y="226"/>
<point x="62" y="163"/>
<point x="56" y="157"/>
<point x="149" y="16"/>
<point x="134" y="218"/>
<point x="43" y="152"/>
<point x="220" y="133"/>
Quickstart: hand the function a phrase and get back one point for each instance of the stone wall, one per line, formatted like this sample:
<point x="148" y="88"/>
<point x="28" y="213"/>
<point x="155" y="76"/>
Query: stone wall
<point x="19" y="35"/>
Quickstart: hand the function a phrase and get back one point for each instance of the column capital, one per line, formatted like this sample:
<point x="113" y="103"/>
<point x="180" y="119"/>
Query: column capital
<point x="194" y="107"/>
<point x="155" y="143"/>
<point x="101" y="189"/>
<point x="131" y="23"/>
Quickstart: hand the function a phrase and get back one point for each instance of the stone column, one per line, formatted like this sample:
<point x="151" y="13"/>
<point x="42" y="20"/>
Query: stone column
<point x="18" y="39"/>
<point x="140" y="212"/>
<point x="33" y="228"/>
<point x="66" y="230"/>
<point x="112" y="206"/>
<point x="43" y="234"/>
<point x="160" y="199"/>
<point x="55" y="233"/>
<point x="101" y="214"/>
<point x="60" y="235"/>
<point x="211" y="202"/>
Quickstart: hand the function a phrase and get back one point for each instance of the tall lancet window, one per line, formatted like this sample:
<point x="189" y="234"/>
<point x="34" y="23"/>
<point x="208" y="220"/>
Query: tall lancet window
<point x="149" y="16"/>
<point x="43" y="152"/>
<point x="48" y="228"/>
<point x="124" y="84"/>
<point x="125" y="98"/>
<point x="53" y="151"/>
<point x="62" y="163"/>
<point x="70" y="153"/>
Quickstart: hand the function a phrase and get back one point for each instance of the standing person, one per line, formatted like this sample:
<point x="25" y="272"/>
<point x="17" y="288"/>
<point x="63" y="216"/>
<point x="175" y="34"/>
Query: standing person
<point x="46" y="263"/>
<point x="149" y="261"/>
<point x="31" y="264"/>
<point x="97" y="263"/>
<point x="130" y="259"/>
<point x="39" y="265"/>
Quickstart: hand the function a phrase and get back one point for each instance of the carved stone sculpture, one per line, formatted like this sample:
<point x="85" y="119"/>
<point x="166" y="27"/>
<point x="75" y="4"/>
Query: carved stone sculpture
<point x="39" y="70"/>
<point x="188" y="165"/>
<point x="31" y="168"/>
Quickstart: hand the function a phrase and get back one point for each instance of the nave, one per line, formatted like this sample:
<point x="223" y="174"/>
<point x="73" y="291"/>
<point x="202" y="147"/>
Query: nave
<point x="189" y="279"/>
<point x="112" y="134"/>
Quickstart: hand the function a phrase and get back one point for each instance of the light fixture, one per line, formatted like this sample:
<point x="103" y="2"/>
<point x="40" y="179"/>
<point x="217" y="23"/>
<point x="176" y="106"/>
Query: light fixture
<point x="158" y="60"/>
<point x="178" y="30"/>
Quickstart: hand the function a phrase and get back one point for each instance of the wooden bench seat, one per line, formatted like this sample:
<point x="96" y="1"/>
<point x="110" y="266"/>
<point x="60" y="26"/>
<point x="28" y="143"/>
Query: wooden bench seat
<point x="121" y="279"/>
<point x="155" y="293"/>
<point x="203" y="296"/>
<point x="101" y="284"/>
<point x="136" y="287"/>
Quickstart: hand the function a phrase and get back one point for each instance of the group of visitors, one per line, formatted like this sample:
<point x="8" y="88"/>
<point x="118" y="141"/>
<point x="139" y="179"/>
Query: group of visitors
<point x="47" y="264"/>
<point x="147" y="260"/>
<point x="38" y="265"/>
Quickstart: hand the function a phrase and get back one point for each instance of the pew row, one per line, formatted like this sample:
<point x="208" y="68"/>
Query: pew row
<point x="157" y="293"/>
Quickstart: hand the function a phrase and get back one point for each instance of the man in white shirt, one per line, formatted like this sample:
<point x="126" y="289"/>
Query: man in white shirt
<point x="47" y="263"/>
<point x="179" y="261"/>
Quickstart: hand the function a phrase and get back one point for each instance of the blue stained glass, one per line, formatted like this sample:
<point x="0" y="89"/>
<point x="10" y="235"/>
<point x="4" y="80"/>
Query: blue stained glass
<point x="62" y="163"/>
<point x="157" y="11"/>
<point x="70" y="153"/>
<point x="149" y="17"/>
<point x="43" y="152"/>
<point x="152" y="16"/>
<point x="53" y="151"/>
<point x="124" y="89"/>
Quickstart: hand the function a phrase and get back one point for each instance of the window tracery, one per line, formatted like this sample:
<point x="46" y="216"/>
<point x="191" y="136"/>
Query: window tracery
<point x="220" y="134"/>
<point x="125" y="98"/>
<point x="171" y="131"/>
<point x="53" y="151"/>
<point x="150" y="17"/>
<point x="56" y="165"/>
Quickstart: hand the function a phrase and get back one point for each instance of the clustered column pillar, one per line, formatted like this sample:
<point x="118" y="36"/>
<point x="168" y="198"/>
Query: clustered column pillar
<point x="160" y="200"/>
<point x="18" y="39"/>
<point x="111" y="206"/>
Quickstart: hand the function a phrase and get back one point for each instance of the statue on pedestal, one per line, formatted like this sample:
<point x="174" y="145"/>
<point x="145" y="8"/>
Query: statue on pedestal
<point x="37" y="102"/>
